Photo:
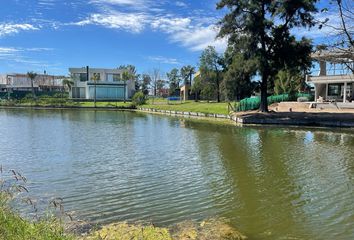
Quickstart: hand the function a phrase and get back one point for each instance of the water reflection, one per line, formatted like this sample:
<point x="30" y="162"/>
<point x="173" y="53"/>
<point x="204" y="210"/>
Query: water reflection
<point x="273" y="183"/>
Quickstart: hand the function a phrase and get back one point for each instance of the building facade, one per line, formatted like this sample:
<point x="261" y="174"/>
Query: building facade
<point x="21" y="82"/>
<point x="100" y="84"/>
<point x="335" y="79"/>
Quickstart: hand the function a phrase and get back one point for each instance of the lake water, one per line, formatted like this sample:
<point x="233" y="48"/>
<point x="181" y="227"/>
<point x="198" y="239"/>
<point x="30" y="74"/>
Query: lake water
<point x="271" y="182"/>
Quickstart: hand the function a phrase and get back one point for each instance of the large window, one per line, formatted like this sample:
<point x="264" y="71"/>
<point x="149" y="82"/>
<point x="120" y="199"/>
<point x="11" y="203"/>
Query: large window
<point x="83" y="77"/>
<point x="116" y="77"/>
<point x="78" y="92"/>
<point x="113" y="77"/>
<point x="107" y="92"/>
<point x="334" y="89"/>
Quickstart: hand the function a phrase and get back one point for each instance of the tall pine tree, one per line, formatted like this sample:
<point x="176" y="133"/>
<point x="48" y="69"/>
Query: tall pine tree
<point x="261" y="28"/>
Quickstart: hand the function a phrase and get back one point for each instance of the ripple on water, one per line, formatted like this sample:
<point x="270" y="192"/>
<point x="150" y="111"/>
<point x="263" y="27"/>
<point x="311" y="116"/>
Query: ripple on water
<point x="272" y="183"/>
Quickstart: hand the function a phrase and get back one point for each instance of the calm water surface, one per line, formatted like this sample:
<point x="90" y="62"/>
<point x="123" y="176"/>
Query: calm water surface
<point x="272" y="183"/>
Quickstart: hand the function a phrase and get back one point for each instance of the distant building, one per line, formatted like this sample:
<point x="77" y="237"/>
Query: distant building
<point x="107" y="86"/>
<point x="21" y="82"/>
<point x="335" y="81"/>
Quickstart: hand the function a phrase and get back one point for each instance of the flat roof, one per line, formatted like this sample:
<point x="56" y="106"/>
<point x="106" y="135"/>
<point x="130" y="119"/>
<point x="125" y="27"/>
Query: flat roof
<point x="334" y="55"/>
<point x="83" y="70"/>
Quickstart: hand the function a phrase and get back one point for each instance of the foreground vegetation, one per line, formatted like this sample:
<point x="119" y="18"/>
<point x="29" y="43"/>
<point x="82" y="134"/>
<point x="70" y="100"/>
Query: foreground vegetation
<point x="49" y="225"/>
<point x="212" y="229"/>
<point x="13" y="227"/>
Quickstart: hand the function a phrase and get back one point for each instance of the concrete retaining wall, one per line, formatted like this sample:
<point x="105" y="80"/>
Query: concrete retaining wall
<point x="192" y="114"/>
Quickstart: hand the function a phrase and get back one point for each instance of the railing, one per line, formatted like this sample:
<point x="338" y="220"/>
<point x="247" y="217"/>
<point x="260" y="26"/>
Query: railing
<point x="331" y="78"/>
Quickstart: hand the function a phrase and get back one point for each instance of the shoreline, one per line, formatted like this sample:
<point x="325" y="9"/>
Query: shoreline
<point x="254" y="118"/>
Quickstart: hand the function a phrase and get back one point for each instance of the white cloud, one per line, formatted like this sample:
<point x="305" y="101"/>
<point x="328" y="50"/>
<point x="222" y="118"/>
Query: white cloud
<point x="128" y="21"/>
<point x="133" y="4"/>
<point x="194" y="32"/>
<point x="24" y="56"/>
<point x="170" y="25"/>
<point x="196" y="35"/>
<point x="161" y="59"/>
<point x="181" y="4"/>
<point x="119" y="2"/>
<point x="10" y="28"/>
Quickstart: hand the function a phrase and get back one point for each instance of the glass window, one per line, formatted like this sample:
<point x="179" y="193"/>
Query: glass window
<point x="109" y="77"/>
<point x="116" y="77"/>
<point x="334" y="89"/>
<point x="83" y="77"/>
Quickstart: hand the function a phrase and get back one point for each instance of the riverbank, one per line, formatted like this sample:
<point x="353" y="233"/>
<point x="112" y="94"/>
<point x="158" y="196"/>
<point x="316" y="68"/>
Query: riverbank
<point x="14" y="227"/>
<point x="313" y="119"/>
<point x="213" y="111"/>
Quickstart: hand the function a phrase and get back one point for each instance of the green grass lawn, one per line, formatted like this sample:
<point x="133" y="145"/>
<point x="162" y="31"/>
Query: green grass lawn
<point x="161" y="104"/>
<point x="188" y="106"/>
<point x="106" y="104"/>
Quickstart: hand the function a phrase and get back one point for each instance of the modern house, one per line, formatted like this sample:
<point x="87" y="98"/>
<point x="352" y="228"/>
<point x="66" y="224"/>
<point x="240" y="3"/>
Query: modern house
<point x="100" y="83"/>
<point x="335" y="79"/>
<point x="21" y="82"/>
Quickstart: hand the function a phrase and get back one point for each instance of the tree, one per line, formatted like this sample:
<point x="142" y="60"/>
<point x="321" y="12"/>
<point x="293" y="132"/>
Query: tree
<point x="187" y="74"/>
<point x="67" y="82"/>
<point x="197" y="87"/>
<point x="126" y="76"/>
<point x="95" y="77"/>
<point x="160" y="84"/>
<point x="146" y="81"/>
<point x="342" y="36"/>
<point x="211" y="70"/>
<point x="131" y="70"/>
<point x="288" y="82"/>
<point x="32" y="76"/>
<point x="174" y="80"/>
<point x="133" y="75"/>
<point x="261" y="28"/>
<point x="238" y="71"/>
<point x="138" y="82"/>
<point x="154" y="78"/>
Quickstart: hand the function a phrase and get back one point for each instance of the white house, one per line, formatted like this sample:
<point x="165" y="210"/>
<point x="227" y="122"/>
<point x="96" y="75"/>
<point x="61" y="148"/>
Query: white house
<point x="335" y="79"/>
<point x="104" y="84"/>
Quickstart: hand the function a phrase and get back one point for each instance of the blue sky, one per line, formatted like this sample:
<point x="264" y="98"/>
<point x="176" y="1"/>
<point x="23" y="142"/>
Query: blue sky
<point x="53" y="35"/>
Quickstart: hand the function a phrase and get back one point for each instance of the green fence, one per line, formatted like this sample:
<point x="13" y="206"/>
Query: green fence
<point x="254" y="103"/>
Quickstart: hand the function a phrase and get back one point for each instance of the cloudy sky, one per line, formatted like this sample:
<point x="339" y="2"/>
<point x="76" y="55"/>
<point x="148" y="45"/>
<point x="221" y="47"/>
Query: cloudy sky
<point x="53" y="35"/>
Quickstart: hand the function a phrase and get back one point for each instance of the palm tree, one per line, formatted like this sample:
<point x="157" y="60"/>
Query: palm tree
<point x="67" y="82"/>
<point x="32" y="75"/>
<point x="187" y="73"/>
<point x="95" y="78"/>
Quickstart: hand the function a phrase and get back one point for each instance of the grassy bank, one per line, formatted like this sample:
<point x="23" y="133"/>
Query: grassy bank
<point x="13" y="227"/>
<point x="161" y="104"/>
<point x="188" y="106"/>
<point x="57" y="102"/>
<point x="13" y="191"/>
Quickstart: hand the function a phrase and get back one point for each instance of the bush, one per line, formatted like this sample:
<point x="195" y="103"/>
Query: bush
<point x="139" y="98"/>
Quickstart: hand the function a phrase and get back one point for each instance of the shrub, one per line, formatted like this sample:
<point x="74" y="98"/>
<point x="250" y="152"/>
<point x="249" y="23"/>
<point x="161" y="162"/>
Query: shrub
<point x="139" y="98"/>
